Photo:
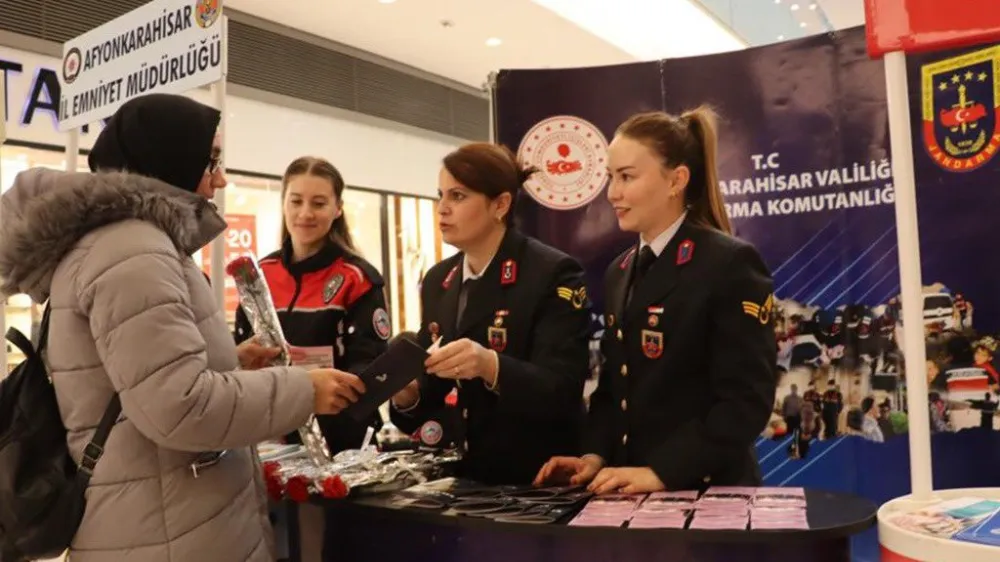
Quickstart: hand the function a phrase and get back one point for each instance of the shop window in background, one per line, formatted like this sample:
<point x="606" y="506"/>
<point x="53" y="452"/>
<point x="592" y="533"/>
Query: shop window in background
<point x="19" y="311"/>
<point x="414" y="246"/>
<point x="253" y="215"/>
<point x="254" y="211"/>
<point x="16" y="159"/>
<point x="363" y="211"/>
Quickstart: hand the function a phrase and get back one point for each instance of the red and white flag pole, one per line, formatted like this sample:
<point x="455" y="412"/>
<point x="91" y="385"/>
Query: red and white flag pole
<point x="895" y="28"/>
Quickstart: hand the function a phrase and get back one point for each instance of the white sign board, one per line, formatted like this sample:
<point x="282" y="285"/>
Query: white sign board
<point x="166" y="46"/>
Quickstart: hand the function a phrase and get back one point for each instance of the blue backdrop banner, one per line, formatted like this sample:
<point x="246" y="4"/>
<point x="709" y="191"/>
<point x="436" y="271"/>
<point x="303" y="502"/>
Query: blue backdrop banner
<point x="805" y="170"/>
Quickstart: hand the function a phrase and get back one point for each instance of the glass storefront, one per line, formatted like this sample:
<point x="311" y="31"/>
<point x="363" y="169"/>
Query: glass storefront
<point x="414" y="246"/>
<point x="21" y="313"/>
<point x="411" y="245"/>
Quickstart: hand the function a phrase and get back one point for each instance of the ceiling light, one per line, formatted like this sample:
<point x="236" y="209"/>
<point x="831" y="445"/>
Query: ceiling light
<point x="802" y="24"/>
<point x="794" y="7"/>
<point x="812" y="6"/>
<point x="493" y="42"/>
<point x="386" y="1"/>
<point x="781" y="38"/>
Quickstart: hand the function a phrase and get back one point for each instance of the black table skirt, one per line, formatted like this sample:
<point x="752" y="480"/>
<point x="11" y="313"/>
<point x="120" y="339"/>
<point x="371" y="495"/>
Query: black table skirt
<point x="370" y="530"/>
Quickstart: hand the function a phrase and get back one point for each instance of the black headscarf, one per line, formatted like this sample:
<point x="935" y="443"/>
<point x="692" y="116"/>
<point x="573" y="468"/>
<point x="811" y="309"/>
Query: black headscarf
<point x="162" y="136"/>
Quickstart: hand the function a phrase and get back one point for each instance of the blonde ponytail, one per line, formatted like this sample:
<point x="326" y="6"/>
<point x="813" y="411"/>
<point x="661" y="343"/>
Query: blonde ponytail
<point x="704" y="199"/>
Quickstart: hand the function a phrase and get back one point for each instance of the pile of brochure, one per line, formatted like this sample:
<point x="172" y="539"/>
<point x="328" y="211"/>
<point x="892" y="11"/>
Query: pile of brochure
<point x="778" y="508"/>
<point x="969" y="519"/>
<point x="610" y="510"/>
<point x="720" y="508"/>
<point x="663" y="510"/>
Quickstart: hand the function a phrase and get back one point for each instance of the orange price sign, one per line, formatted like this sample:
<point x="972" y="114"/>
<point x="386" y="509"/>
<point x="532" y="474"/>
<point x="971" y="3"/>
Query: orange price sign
<point x="240" y="239"/>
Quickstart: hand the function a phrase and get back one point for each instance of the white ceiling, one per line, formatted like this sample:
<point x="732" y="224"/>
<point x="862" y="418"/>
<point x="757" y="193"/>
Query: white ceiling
<point x="843" y="13"/>
<point x="550" y="33"/>
<point x="410" y="32"/>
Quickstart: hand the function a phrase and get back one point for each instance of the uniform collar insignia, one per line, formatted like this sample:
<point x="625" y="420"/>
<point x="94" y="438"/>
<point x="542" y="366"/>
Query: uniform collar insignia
<point x="685" y="252"/>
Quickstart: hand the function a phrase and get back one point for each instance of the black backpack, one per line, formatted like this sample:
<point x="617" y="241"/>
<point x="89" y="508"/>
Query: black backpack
<point x="41" y="488"/>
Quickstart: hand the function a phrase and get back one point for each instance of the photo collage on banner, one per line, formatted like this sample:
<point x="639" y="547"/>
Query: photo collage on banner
<point x="805" y="169"/>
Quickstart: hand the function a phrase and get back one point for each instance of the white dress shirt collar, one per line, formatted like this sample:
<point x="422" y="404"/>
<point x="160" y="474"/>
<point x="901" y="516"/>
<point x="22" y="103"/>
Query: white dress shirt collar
<point x="468" y="275"/>
<point x="664" y="238"/>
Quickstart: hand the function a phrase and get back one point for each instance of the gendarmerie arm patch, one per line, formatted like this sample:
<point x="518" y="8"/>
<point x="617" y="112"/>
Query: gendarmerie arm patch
<point x="576" y="297"/>
<point x="381" y="323"/>
<point x="761" y="312"/>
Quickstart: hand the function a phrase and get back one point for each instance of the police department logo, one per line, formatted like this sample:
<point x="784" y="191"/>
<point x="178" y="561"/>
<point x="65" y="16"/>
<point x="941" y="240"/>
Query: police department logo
<point x="71" y="65"/>
<point x="572" y="156"/>
<point x="381" y="323"/>
<point x="206" y="12"/>
<point x="431" y="433"/>
<point x="961" y="101"/>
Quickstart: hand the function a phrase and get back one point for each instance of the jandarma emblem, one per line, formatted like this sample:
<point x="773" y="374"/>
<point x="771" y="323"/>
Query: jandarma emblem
<point x="961" y="102"/>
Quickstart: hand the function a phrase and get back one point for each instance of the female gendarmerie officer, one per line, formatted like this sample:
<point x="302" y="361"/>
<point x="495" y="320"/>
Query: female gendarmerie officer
<point x="689" y="374"/>
<point x="329" y="300"/>
<point x="512" y="319"/>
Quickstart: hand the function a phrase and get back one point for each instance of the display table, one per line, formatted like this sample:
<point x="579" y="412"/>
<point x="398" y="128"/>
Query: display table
<point x="902" y="545"/>
<point x="374" y="529"/>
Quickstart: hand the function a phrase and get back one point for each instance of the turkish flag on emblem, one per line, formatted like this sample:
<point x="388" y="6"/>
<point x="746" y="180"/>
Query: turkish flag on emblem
<point x="927" y="25"/>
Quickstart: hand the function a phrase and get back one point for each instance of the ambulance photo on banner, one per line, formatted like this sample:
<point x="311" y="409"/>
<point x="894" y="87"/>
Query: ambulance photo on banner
<point x="805" y="169"/>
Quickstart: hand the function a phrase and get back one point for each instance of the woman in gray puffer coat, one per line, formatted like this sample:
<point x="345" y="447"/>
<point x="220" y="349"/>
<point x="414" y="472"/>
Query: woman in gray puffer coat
<point x="131" y="313"/>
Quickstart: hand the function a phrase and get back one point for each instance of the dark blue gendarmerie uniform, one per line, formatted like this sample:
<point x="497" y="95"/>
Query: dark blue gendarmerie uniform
<point x="690" y="372"/>
<point x="531" y="306"/>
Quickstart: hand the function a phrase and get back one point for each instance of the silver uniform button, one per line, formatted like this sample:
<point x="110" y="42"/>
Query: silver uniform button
<point x="465" y="413"/>
<point x="620" y="336"/>
<point x="624" y="370"/>
<point x="624" y="404"/>
<point x="625" y="439"/>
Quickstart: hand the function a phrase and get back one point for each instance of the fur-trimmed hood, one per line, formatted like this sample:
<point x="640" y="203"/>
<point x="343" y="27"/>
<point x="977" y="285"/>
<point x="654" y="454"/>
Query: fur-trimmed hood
<point x="46" y="212"/>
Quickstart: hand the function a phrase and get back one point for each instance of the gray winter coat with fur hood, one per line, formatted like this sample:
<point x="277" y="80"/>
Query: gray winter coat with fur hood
<point x="133" y="314"/>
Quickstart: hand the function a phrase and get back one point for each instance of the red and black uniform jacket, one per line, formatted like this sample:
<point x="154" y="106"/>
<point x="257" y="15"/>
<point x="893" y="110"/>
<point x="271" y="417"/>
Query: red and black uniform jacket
<point x="330" y="299"/>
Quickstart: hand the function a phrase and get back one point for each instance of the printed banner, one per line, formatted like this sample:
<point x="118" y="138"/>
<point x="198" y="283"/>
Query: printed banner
<point x="804" y="166"/>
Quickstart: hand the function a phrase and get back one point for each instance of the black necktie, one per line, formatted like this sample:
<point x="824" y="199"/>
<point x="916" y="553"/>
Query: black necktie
<point x="642" y="265"/>
<point x="463" y="300"/>
<point x="646" y="259"/>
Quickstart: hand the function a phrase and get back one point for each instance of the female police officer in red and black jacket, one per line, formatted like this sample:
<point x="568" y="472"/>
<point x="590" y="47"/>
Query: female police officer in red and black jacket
<point x="330" y="301"/>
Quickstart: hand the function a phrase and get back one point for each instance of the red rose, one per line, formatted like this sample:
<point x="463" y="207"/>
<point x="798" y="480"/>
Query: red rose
<point x="239" y="265"/>
<point x="274" y="490"/>
<point x="270" y="468"/>
<point x="297" y="488"/>
<point x="334" y="488"/>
